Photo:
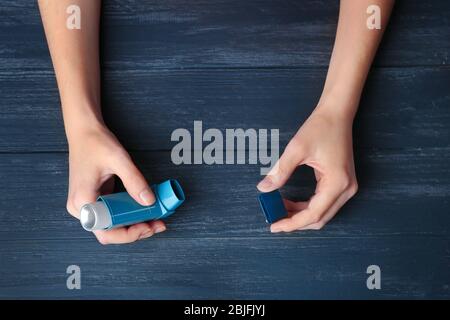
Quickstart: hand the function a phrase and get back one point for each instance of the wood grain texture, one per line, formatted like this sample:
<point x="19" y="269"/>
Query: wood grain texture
<point x="282" y="268"/>
<point x="216" y="33"/>
<point x="232" y="64"/>
<point x="400" y="108"/>
<point x="401" y="193"/>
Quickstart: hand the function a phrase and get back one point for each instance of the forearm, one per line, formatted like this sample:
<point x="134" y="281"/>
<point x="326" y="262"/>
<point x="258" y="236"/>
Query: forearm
<point x="354" y="49"/>
<point x="75" y="56"/>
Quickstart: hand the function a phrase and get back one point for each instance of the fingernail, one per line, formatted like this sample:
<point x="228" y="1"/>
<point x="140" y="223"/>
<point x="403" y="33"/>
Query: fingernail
<point x="147" y="197"/>
<point x="146" y="234"/>
<point x="160" y="229"/>
<point x="275" y="229"/>
<point x="264" y="184"/>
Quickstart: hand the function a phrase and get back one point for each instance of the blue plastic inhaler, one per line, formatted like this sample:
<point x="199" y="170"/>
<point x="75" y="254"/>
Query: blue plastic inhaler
<point x="120" y="209"/>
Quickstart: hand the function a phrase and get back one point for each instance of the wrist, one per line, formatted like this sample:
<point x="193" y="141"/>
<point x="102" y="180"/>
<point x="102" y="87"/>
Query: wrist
<point x="81" y="121"/>
<point x="81" y="134"/>
<point x="339" y="104"/>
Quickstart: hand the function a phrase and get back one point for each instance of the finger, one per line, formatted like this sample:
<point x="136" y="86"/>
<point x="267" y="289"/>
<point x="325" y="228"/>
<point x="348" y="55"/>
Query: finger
<point x="133" y="180"/>
<point x="282" y="170"/>
<point x="319" y="204"/>
<point x="79" y="196"/>
<point x="327" y="216"/>
<point x="294" y="207"/>
<point x="317" y="174"/>
<point x="342" y="200"/>
<point x="125" y="235"/>
<point x="158" y="226"/>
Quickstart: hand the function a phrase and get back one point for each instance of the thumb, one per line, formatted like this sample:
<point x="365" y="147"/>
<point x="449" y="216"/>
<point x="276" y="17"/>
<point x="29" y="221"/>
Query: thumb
<point x="280" y="172"/>
<point x="134" y="182"/>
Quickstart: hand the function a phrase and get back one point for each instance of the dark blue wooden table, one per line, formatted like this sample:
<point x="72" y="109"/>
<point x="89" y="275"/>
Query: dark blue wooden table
<point x="231" y="64"/>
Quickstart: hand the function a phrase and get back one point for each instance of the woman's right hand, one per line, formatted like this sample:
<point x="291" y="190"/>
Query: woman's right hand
<point x="95" y="156"/>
